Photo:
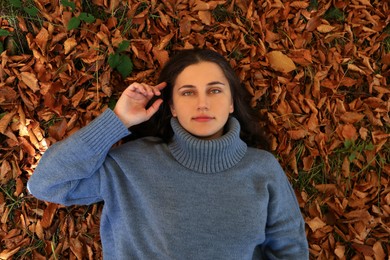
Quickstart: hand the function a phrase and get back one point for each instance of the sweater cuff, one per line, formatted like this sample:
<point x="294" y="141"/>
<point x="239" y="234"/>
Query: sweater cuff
<point x="104" y="131"/>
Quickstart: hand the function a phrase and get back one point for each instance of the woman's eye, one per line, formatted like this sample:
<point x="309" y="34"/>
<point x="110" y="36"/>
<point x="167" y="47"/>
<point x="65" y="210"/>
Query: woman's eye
<point x="187" y="93"/>
<point x="215" y="91"/>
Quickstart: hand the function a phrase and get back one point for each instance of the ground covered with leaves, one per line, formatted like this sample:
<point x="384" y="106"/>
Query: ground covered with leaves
<point x="318" y="71"/>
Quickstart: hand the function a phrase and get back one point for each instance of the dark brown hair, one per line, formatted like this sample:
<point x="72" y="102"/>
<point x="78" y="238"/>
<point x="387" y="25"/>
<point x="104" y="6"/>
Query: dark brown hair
<point x="251" y="132"/>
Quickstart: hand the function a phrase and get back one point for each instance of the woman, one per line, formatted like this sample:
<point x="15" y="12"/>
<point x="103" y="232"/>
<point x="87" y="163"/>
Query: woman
<point x="196" y="190"/>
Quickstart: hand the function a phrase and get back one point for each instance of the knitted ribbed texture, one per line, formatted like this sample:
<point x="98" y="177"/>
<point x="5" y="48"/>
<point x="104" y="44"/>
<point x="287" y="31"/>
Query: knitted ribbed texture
<point x="208" y="156"/>
<point x="104" y="131"/>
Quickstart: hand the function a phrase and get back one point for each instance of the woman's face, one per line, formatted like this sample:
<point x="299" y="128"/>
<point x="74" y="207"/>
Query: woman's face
<point x="202" y="100"/>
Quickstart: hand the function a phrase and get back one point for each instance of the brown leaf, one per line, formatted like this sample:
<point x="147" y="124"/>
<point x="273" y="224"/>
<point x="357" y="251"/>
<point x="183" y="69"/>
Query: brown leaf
<point x="315" y="223"/>
<point x="57" y="131"/>
<point x="379" y="253"/>
<point x="77" y="247"/>
<point x="352" y="117"/>
<point x="48" y="215"/>
<point x="41" y="39"/>
<point x="349" y="132"/>
<point x="162" y="56"/>
<point x="78" y="97"/>
<point x="386" y="59"/>
<point x="324" y="28"/>
<point x="313" y="23"/>
<point x="205" y="17"/>
<point x="297" y="134"/>
<point x="7" y="94"/>
<point x="5" y="120"/>
<point x="19" y="187"/>
<point x="280" y="62"/>
<point x="348" y="82"/>
<point x="8" y="253"/>
<point x="30" y="80"/>
<point x="340" y="251"/>
<point x="308" y="162"/>
<point x="353" y="67"/>
<point x="26" y="146"/>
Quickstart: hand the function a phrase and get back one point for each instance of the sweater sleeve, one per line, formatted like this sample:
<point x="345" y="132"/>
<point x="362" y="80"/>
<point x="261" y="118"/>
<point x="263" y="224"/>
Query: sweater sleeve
<point x="68" y="172"/>
<point x="285" y="229"/>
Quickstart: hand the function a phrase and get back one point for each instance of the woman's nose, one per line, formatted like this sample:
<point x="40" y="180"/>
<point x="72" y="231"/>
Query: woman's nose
<point x="203" y="102"/>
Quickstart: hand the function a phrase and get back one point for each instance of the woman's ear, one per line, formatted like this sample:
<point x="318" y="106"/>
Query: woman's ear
<point x="231" y="108"/>
<point x="173" y="111"/>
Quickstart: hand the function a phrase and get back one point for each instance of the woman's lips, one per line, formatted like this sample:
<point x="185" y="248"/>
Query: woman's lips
<point x="202" y="118"/>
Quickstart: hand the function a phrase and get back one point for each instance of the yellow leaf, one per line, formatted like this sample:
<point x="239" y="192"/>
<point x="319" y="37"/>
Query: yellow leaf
<point x="280" y="62"/>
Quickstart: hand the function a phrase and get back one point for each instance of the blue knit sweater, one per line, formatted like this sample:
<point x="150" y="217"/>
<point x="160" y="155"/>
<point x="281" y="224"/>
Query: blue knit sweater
<point x="189" y="199"/>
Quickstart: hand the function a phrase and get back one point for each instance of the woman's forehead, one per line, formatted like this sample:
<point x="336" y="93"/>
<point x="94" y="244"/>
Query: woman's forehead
<point x="203" y="72"/>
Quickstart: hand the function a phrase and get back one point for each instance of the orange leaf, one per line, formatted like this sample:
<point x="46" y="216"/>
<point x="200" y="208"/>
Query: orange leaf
<point x="280" y="62"/>
<point x="205" y="17"/>
<point x="349" y="132"/>
<point x="69" y="44"/>
<point x="300" y="4"/>
<point x="324" y="28"/>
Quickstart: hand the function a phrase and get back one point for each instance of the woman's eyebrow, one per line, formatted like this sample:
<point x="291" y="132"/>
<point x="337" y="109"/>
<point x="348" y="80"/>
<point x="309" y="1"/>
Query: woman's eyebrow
<point x="212" y="83"/>
<point x="186" y="86"/>
<point x="215" y="83"/>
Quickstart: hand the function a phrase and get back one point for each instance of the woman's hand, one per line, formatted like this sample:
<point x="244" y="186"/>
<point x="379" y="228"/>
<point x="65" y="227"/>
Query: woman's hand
<point x="131" y="106"/>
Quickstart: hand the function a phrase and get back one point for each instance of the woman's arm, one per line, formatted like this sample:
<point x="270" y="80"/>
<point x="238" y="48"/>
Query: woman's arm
<point x="69" y="168"/>
<point x="68" y="172"/>
<point x="285" y="230"/>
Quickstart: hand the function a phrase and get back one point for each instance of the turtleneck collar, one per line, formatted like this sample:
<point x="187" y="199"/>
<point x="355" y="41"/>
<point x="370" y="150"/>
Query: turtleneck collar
<point x="207" y="156"/>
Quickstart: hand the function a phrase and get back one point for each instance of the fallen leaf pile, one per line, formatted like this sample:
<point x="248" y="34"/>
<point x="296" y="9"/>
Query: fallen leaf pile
<point x="318" y="72"/>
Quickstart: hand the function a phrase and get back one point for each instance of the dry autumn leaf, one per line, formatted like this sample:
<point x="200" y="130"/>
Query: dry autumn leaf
<point x="69" y="44"/>
<point x="280" y="62"/>
<point x="324" y="28"/>
<point x="30" y="80"/>
<point x="323" y="92"/>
